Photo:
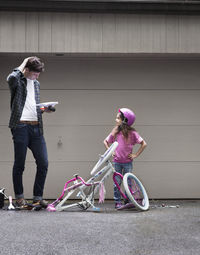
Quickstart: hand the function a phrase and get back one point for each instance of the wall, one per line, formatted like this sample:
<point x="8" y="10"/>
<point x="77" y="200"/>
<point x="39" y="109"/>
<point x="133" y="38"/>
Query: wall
<point x="162" y="90"/>
<point x="98" y="33"/>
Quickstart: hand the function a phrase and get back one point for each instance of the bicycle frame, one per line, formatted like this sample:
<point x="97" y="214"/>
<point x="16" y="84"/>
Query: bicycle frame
<point x="58" y="204"/>
<point x="87" y="200"/>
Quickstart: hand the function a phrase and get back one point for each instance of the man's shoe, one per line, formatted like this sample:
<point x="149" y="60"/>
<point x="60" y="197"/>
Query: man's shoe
<point x="42" y="203"/>
<point x="22" y="204"/>
<point x="118" y="205"/>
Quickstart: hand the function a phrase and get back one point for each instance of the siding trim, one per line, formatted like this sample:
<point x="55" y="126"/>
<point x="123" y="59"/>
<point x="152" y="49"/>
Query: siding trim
<point x="95" y="6"/>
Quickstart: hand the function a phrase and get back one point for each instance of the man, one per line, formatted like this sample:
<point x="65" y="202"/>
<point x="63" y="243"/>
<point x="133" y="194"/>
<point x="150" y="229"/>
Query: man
<point x="27" y="128"/>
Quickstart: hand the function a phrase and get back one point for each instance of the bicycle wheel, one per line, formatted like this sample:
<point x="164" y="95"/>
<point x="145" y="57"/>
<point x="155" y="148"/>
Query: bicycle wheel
<point x="136" y="192"/>
<point x="103" y="158"/>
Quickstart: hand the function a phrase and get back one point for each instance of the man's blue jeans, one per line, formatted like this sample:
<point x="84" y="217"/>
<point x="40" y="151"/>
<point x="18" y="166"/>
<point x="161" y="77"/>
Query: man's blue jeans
<point x="121" y="168"/>
<point x="28" y="136"/>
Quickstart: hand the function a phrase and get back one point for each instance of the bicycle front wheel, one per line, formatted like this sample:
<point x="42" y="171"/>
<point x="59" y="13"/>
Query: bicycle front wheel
<point x="136" y="192"/>
<point x="103" y="158"/>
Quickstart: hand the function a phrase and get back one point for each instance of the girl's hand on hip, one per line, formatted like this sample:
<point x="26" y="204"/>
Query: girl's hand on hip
<point x="132" y="156"/>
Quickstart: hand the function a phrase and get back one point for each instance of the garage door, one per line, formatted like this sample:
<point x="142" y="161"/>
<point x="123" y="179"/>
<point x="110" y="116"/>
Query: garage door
<point x="164" y="93"/>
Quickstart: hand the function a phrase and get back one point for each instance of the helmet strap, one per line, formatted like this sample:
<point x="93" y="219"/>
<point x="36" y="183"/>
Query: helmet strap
<point x="124" y="119"/>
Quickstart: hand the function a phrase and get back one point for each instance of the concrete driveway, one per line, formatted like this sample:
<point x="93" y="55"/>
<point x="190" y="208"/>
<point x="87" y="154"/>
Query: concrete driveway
<point x="163" y="230"/>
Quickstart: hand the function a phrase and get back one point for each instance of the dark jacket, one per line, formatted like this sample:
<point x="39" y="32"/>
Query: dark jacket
<point x="17" y="84"/>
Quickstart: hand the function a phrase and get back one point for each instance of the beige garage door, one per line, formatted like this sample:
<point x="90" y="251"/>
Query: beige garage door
<point x="163" y="91"/>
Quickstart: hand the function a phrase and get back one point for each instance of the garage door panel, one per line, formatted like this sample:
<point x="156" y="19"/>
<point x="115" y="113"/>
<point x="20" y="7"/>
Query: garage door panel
<point x="170" y="179"/>
<point x="100" y="107"/>
<point x="171" y="143"/>
<point x="161" y="179"/>
<point x="58" y="174"/>
<point x="85" y="143"/>
<point x="121" y="73"/>
<point x="110" y="73"/>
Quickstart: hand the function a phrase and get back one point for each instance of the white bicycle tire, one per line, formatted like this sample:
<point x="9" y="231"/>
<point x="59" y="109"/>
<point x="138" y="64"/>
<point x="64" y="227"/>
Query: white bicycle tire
<point x="145" y="205"/>
<point x="103" y="158"/>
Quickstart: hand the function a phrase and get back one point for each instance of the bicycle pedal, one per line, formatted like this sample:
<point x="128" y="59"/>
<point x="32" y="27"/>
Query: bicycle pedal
<point x="96" y="209"/>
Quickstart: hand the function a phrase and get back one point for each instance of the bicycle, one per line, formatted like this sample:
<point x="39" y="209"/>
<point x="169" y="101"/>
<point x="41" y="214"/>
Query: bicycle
<point x="134" y="190"/>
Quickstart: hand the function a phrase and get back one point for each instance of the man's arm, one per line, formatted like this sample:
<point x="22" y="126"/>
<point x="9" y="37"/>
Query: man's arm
<point x="12" y="78"/>
<point x="23" y="64"/>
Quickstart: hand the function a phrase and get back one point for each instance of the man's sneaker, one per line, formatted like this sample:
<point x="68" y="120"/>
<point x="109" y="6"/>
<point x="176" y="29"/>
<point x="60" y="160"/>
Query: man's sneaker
<point x="42" y="203"/>
<point x="118" y="205"/>
<point x="21" y="203"/>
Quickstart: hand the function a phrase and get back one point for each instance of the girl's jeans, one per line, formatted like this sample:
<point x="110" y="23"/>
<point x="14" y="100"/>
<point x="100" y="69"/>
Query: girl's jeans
<point x="28" y="136"/>
<point x="121" y="168"/>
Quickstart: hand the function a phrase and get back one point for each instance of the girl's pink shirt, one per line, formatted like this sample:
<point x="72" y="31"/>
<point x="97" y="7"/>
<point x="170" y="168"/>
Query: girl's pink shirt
<point x="125" y="147"/>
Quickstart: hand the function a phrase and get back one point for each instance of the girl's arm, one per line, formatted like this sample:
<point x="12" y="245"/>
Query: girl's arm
<point x="106" y="144"/>
<point x="143" y="145"/>
<point x="113" y="133"/>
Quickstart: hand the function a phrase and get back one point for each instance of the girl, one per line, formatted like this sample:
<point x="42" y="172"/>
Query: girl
<point x="127" y="137"/>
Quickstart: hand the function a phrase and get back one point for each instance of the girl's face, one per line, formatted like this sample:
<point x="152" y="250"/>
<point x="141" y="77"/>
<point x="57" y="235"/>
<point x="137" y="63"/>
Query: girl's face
<point x="118" y="119"/>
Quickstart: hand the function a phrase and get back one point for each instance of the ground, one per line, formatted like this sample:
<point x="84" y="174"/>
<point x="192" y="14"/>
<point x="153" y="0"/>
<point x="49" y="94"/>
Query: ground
<point x="168" y="228"/>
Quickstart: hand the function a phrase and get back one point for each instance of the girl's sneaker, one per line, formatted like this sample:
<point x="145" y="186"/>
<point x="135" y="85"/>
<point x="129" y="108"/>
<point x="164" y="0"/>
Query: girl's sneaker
<point x="127" y="206"/>
<point x="118" y="205"/>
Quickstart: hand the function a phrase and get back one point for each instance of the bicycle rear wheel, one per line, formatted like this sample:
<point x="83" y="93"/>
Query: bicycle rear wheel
<point x="136" y="192"/>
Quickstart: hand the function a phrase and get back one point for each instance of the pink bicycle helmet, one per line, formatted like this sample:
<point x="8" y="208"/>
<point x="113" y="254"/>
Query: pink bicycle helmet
<point x="129" y="116"/>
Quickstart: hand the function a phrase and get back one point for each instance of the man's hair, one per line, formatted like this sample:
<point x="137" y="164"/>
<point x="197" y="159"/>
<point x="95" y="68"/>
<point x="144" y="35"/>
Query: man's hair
<point x="34" y="64"/>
